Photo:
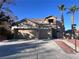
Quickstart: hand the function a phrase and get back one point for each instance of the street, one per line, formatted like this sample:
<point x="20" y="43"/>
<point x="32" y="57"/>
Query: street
<point x="33" y="49"/>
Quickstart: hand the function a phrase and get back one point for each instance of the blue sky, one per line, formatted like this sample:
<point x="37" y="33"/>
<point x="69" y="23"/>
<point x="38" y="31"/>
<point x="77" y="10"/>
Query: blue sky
<point x="43" y="8"/>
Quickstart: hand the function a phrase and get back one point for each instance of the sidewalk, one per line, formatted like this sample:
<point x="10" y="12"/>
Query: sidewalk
<point x="72" y="41"/>
<point x="68" y="46"/>
<point x="65" y="47"/>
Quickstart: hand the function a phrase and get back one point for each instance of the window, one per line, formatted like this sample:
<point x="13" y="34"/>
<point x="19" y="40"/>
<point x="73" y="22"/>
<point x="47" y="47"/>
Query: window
<point x="50" y="20"/>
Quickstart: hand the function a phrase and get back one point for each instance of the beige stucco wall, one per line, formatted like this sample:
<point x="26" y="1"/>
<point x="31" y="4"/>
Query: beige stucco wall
<point x="27" y="33"/>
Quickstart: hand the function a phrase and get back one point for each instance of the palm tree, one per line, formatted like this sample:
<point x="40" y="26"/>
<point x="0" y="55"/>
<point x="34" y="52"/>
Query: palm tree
<point x="62" y="9"/>
<point x="72" y="11"/>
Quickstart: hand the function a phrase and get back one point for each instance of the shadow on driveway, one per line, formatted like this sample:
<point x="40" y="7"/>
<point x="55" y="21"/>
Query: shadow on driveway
<point x="7" y="50"/>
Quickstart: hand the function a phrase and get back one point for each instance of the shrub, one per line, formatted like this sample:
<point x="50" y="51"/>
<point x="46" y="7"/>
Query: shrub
<point x="4" y="32"/>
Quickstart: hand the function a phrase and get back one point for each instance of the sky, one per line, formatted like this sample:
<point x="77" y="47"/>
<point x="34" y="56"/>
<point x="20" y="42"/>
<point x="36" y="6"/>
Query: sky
<point x="42" y="8"/>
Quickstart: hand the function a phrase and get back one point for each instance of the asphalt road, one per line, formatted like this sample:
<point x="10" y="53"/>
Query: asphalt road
<point x="36" y="49"/>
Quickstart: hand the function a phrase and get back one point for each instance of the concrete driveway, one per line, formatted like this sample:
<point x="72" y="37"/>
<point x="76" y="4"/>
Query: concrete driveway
<point x="33" y="49"/>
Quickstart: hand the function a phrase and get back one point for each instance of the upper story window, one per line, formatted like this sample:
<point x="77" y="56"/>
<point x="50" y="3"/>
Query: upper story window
<point x="50" y="20"/>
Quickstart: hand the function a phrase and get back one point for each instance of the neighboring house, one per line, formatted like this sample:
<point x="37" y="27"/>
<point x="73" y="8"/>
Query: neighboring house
<point x="77" y="33"/>
<point x="48" y="27"/>
<point x="68" y="34"/>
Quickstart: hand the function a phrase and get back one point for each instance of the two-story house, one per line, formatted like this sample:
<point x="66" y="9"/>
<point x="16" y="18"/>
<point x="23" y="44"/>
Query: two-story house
<point x="48" y="27"/>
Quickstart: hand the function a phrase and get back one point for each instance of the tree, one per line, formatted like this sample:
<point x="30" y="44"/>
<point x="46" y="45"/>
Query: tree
<point x="62" y="9"/>
<point x="72" y="11"/>
<point x="4" y="10"/>
<point x="5" y="2"/>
